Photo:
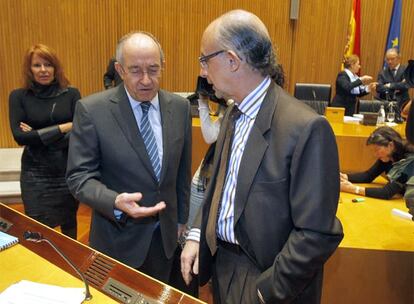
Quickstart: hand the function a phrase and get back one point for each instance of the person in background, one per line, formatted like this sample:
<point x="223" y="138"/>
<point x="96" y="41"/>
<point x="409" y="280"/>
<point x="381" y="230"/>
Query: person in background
<point x="409" y="133"/>
<point x="41" y="114"/>
<point x="111" y="77"/>
<point x="395" y="158"/>
<point x="391" y="82"/>
<point x="266" y="228"/>
<point x="349" y="85"/>
<point x="130" y="161"/>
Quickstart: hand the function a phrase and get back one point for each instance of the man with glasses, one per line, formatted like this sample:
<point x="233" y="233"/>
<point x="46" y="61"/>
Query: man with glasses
<point x="130" y="160"/>
<point x="268" y="221"/>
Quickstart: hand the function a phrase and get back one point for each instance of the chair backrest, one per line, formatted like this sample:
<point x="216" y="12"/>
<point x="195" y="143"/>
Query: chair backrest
<point x="313" y="91"/>
<point x="318" y="105"/>
<point x="372" y="106"/>
<point x="335" y="114"/>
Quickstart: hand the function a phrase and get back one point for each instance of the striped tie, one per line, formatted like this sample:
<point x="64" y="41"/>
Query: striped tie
<point x="149" y="139"/>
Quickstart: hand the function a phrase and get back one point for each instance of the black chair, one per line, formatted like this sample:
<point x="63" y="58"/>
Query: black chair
<point x="313" y="91"/>
<point x="372" y="106"/>
<point x="318" y="105"/>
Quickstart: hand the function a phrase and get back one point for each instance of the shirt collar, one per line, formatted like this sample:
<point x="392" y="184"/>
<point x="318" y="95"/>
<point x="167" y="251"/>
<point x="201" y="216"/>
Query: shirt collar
<point x="136" y="103"/>
<point x="351" y="75"/>
<point x="250" y="105"/>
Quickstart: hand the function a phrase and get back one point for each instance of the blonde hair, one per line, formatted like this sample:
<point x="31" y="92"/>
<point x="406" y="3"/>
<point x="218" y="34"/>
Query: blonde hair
<point x="350" y="60"/>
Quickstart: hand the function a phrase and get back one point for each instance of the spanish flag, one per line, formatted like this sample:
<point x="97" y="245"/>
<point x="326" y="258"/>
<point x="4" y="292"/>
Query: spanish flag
<point x="354" y="31"/>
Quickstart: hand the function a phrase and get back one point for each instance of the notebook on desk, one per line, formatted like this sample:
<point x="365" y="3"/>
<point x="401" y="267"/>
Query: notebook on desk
<point x="335" y="114"/>
<point x="7" y="240"/>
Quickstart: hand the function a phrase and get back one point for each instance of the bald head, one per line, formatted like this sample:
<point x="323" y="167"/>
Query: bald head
<point x="246" y="35"/>
<point x="392" y="57"/>
<point x="140" y="39"/>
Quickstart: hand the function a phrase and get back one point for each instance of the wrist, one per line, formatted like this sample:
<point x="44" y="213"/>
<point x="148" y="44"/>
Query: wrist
<point x="357" y="190"/>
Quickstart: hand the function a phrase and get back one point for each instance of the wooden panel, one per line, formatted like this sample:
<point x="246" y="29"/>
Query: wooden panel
<point x="319" y="41"/>
<point x="84" y="34"/>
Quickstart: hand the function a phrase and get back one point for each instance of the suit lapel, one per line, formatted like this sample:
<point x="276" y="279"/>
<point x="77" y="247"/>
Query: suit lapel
<point x="123" y="113"/>
<point x="167" y="128"/>
<point x="255" y="149"/>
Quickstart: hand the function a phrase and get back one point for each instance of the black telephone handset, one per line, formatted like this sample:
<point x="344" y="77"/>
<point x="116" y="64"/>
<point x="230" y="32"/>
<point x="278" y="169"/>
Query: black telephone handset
<point x="205" y="88"/>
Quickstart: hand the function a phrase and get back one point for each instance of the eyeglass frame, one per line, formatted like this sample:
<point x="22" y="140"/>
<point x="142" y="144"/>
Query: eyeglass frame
<point x="205" y="58"/>
<point x="140" y="73"/>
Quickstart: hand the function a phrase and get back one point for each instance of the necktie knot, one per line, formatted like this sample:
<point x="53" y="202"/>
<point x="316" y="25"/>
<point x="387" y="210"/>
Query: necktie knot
<point x="235" y="113"/>
<point x="145" y="107"/>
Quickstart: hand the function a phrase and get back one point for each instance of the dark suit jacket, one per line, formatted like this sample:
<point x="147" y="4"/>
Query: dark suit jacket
<point x="111" y="77"/>
<point x="107" y="156"/>
<point x="286" y="199"/>
<point x="343" y="97"/>
<point x="398" y="88"/>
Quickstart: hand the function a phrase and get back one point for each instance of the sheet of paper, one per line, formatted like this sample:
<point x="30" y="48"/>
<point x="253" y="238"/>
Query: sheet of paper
<point x="31" y="292"/>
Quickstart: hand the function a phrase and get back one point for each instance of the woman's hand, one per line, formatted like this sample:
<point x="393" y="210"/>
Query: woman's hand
<point x="25" y="127"/>
<point x="347" y="186"/>
<point x="366" y="79"/>
<point x="372" y="86"/>
<point x="343" y="177"/>
<point x="66" y="127"/>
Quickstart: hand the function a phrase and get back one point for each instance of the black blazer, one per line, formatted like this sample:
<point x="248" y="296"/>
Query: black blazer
<point x="398" y="87"/>
<point x="286" y="199"/>
<point x="343" y="97"/>
<point x="107" y="156"/>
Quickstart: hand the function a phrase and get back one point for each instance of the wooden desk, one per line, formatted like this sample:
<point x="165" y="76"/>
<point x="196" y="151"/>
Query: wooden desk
<point x="29" y="266"/>
<point x="375" y="261"/>
<point x="108" y="276"/>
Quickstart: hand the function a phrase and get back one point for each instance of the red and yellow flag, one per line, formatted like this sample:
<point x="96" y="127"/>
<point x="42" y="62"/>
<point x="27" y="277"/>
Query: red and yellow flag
<point x="353" y="44"/>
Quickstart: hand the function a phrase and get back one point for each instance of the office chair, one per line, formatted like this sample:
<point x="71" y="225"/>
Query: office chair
<point x="372" y="106"/>
<point x="313" y="91"/>
<point x="318" y="105"/>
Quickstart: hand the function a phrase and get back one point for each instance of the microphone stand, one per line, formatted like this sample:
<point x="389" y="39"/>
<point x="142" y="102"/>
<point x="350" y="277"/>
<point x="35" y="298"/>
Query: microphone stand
<point x="38" y="238"/>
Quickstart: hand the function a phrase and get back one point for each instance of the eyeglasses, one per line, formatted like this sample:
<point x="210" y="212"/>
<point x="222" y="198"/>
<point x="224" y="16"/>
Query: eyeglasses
<point x="203" y="59"/>
<point x="152" y="72"/>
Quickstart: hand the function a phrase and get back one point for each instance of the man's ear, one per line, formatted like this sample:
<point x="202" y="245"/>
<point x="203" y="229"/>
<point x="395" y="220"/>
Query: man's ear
<point x="234" y="60"/>
<point x="120" y="70"/>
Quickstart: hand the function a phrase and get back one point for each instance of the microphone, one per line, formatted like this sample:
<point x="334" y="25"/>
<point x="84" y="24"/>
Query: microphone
<point x="37" y="237"/>
<point x="314" y="94"/>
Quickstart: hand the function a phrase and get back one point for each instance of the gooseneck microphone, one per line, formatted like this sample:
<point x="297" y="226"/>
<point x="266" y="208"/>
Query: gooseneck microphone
<point x="37" y="237"/>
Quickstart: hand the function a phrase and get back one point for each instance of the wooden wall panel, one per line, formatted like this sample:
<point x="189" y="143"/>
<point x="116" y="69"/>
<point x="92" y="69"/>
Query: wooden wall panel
<point x="84" y="34"/>
<point x="319" y="41"/>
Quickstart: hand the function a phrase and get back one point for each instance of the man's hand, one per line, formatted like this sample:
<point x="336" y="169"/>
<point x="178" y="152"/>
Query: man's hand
<point x="128" y="203"/>
<point x="25" y="127"/>
<point x="182" y="229"/>
<point x="189" y="260"/>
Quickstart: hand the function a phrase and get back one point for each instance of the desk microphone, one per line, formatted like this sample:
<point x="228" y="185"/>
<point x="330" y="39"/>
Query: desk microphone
<point x="314" y="94"/>
<point x="37" y="237"/>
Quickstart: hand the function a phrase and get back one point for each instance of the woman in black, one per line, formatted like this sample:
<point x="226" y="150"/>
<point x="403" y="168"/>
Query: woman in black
<point x="395" y="159"/>
<point x="350" y="86"/>
<point x="41" y="116"/>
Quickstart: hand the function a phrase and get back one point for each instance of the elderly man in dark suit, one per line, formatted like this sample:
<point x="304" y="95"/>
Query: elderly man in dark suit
<point x="130" y="159"/>
<point x="391" y="83"/>
<point x="268" y="221"/>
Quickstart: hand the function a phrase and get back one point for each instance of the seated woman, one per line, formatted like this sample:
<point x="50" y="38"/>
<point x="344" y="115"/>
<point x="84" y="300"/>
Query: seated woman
<point x="349" y="85"/>
<point x="395" y="159"/>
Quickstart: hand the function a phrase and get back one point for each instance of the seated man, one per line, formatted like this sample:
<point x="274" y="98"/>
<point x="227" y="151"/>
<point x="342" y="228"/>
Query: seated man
<point x="391" y="82"/>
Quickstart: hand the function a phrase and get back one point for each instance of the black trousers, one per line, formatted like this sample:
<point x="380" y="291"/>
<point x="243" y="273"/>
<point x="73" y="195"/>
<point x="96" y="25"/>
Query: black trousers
<point x="234" y="276"/>
<point x="166" y="270"/>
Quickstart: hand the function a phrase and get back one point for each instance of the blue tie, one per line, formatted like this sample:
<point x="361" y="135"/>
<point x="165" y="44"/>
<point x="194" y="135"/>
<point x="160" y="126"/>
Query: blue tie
<point x="149" y="139"/>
